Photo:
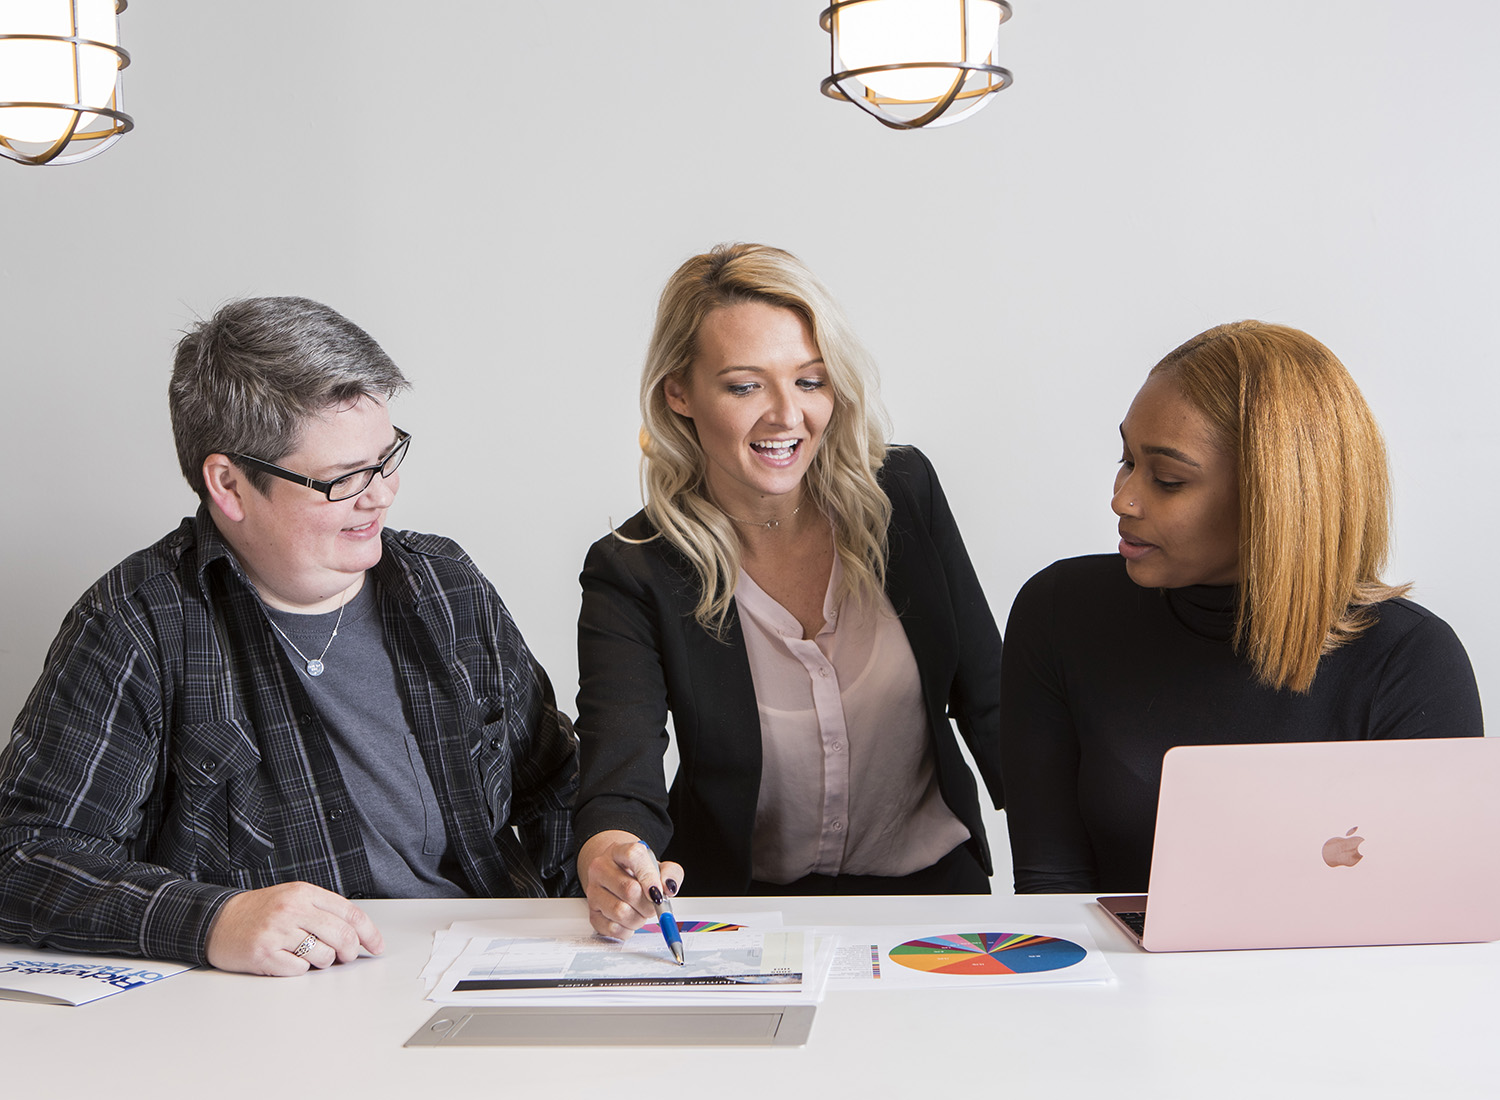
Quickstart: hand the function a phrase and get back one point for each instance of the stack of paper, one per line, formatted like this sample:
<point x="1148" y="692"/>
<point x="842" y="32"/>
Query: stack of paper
<point x="538" y="962"/>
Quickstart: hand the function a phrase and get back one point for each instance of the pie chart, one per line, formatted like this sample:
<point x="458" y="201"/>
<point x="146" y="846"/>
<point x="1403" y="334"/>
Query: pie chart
<point x="654" y="929"/>
<point x="987" y="953"/>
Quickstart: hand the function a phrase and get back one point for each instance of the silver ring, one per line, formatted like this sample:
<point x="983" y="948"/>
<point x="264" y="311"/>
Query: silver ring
<point x="305" y="946"/>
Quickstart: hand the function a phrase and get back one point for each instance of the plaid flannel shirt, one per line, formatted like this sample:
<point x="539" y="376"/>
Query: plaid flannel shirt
<point x="169" y="755"/>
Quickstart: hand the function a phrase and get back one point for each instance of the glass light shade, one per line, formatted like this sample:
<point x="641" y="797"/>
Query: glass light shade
<point x="915" y="63"/>
<point x="59" y="72"/>
<point x="892" y="32"/>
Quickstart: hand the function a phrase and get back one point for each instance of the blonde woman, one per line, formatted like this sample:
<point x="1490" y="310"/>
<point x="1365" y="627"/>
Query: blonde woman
<point x="1245" y="605"/>
<point x="795" y="596"/>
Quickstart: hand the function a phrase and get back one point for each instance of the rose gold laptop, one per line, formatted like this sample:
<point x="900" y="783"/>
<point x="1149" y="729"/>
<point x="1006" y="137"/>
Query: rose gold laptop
<point x="1328" y="844"/>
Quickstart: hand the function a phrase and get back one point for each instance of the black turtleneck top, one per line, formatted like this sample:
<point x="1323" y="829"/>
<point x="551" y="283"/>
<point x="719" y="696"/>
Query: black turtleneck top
<point x="1100" y="677"/>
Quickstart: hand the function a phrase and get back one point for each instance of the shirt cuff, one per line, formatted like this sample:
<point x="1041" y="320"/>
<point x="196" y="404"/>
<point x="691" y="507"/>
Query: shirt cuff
<point x="178" y="918"/>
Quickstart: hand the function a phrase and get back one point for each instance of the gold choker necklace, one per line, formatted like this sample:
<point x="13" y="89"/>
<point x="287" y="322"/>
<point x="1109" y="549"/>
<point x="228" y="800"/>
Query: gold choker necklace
<point x="769" y="525"/>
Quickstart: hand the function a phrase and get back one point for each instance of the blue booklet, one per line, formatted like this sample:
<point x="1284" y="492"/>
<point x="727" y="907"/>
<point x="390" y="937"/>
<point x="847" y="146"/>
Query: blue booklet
<point x="60" y="978"/>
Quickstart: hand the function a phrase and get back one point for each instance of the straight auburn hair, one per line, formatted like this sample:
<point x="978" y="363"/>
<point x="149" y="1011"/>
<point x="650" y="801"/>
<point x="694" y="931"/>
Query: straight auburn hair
<point x="841" y="481"/>
<point x="1314" y="491"/>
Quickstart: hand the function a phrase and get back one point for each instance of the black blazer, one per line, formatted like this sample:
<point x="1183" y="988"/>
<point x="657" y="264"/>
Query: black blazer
<point x="641" y="656"/>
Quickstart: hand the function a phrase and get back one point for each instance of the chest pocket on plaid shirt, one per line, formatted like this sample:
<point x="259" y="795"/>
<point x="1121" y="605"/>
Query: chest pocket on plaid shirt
<point x="490" y="753"/>
<point x="218" y="818"/>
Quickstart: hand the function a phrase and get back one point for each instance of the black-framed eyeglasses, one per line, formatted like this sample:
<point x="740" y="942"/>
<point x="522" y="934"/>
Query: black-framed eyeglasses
<point x="340" y="488"/>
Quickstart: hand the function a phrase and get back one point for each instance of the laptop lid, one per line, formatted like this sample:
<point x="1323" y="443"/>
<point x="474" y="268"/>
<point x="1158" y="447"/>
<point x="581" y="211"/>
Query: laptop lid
<point x="1326" y="844"/>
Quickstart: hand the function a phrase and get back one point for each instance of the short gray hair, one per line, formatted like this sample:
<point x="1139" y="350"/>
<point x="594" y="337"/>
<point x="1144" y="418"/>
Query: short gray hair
<point x="246" y="380"/>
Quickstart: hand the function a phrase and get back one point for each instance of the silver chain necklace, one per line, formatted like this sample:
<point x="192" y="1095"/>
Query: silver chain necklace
<point x="314" y="664"/>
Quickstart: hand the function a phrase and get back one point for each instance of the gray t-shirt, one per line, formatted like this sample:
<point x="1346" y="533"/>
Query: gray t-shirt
<point x="357" y="698"/>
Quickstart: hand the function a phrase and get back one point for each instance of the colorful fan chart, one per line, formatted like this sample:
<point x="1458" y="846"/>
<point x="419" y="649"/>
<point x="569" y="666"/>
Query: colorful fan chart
<point x="692" y="926"/>
<point x="987" y="953"/>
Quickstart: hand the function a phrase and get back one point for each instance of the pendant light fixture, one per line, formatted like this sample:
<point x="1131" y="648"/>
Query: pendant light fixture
<point x="60" y="63"/>
<point x="915" y="63"/>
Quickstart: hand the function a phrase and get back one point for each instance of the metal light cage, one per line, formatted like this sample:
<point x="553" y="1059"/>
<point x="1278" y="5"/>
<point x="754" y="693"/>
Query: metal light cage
<point x="73" y="144"/>
<point x="973" y="84"/>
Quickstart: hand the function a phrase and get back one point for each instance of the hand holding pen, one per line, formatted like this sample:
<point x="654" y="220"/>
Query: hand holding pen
<point x="618" y="871"/>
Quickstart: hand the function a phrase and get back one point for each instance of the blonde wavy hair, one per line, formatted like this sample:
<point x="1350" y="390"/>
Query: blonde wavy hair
<point x="841" y="482"/>
<point x="1314" y="491"/>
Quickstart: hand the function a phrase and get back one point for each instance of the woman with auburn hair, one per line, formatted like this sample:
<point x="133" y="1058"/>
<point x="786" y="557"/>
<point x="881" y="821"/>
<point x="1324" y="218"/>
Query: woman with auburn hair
<point x="1245" y="605"/>
<point x="795" y="596"/>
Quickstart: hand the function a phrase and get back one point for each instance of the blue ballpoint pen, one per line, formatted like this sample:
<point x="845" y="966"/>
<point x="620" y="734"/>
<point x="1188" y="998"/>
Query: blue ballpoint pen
<point x="665" y="919"/>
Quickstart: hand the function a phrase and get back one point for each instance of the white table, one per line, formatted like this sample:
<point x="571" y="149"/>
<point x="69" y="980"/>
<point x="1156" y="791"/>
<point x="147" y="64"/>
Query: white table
<point x="1410" y="1022"/>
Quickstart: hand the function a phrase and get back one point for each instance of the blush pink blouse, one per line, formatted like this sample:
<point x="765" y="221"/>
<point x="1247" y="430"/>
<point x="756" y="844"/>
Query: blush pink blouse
<point x="848" y="784"/>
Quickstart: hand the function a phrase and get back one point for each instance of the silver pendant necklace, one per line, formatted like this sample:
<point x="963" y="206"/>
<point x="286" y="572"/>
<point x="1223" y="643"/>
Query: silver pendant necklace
<point x="314" y="664"/>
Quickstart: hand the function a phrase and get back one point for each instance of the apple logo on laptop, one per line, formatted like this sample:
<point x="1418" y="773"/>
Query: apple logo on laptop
<point x="1343" y="851"/>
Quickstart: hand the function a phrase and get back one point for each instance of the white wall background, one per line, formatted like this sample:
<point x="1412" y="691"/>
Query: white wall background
<point x="497" y="191"/>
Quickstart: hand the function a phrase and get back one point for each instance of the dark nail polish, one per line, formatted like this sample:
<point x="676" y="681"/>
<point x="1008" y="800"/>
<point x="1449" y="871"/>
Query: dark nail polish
<point x="655" y="893"/>
<point x="671" y="887"/>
